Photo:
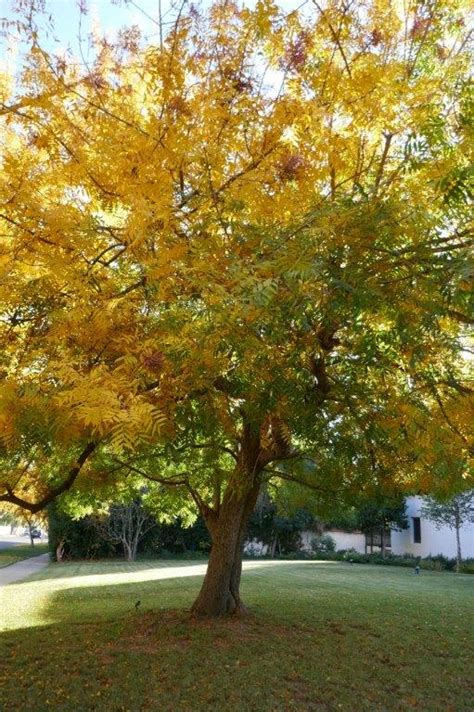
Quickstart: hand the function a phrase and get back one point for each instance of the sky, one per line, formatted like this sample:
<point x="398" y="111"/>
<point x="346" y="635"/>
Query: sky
<point x="68" y="37"/>
<point x="105" y="17"/>
<point x="110" y="15"/>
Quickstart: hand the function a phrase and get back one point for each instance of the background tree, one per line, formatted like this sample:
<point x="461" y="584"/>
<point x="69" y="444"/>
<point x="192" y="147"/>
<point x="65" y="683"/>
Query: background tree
<point x="17" y="516"/>
<point x="277" y="529"/>
<point x="74" y="534"/>
<point x="453" y="513"/>
<point x="6" y="517"/>
<point x="238" y="257"/>
<point x="379" y="515"/>
<point x="74" y="537"/>
<point x="125" y="524"/>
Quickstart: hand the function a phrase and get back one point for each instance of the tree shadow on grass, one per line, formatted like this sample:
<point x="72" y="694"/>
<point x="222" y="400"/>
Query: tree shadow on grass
<point x="98" y="651"/>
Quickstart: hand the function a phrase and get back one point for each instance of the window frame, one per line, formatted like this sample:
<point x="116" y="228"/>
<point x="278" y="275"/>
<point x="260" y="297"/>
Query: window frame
<point x="416" y="530"/>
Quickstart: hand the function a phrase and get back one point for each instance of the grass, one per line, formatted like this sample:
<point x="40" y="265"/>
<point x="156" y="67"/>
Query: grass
<point x="323" y="636"/>
<point x="18" y="552"/>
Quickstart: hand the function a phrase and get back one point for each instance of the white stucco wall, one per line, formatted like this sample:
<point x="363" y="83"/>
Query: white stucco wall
<point x="433" y="541"/>
<point x="344" y="540"/>
<point x="256" y="548"/>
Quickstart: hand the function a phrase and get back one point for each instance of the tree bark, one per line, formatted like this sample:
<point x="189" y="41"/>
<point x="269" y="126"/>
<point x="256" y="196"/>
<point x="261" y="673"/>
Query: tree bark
<point x="458" y="542"/>
<point x="220" y="591"/>
<point x="30" y="532"/>
<point x="60" y="550"/>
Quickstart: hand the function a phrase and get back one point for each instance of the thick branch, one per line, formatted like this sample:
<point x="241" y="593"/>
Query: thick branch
<point x="34" y="507"/>
<point x="459" y="316"/>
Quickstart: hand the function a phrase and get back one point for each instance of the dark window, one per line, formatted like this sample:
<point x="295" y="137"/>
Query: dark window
<point x="417" y="530"/>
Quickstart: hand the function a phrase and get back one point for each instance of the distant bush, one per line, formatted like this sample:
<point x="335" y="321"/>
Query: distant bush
<point x="322" y="544"/>
<point x="73" y="539"/>
<point x="431" y="563"/>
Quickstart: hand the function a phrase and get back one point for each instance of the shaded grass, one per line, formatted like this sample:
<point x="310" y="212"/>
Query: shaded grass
<point x="18" y="552"/>
<point x="323" y="636"/>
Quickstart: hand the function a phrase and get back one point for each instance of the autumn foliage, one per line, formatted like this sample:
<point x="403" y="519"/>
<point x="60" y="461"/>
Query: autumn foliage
<point x="239" y="257"/>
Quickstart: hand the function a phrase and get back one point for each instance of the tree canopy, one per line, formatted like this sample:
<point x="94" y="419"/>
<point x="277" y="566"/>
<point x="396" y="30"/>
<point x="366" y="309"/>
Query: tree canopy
<point x="239" y="256"/>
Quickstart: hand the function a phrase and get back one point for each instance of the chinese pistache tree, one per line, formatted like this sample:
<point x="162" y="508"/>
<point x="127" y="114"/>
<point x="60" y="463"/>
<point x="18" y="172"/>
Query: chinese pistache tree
<point x="237" y="257"/>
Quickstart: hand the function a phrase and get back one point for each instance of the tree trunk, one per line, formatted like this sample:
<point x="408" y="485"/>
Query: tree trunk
<point x="60" y="550"/>
<point x="216" y="597"/>
<point x="458" y="543"/>
<point x="128" y="551"/>
<point x="382" y="543"/>
<point x="220" y="591"/>
<point x="30" y="530"/>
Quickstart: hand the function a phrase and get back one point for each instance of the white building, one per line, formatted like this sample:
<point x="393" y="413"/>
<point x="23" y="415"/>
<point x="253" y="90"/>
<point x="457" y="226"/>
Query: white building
<point x="422" y="538"/>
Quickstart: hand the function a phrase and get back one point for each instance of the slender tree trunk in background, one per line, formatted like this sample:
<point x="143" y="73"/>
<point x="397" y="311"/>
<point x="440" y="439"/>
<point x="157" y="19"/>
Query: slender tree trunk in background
<point x="127" y="550"/>
<point x="382" y="542"/>
<point x="220" y="591"/>
<point x="30" y="530"/>
<point x="458" y="541"/>
<point x="60" y="550"/>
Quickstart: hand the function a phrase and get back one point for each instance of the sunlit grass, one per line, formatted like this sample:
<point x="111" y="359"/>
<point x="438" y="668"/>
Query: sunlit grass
<point x="19" y="552"/>
<point x="323" y="636"/>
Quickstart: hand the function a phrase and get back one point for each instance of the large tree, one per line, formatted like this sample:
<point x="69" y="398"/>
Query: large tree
<point x="238" y="256"/>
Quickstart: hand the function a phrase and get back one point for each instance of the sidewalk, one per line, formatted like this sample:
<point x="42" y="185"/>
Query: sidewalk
<point x="23" y="569"/>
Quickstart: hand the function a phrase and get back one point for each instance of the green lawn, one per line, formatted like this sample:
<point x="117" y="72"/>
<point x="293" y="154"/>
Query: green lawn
<point x="324" y="636"/>
<point x="20" y="552"/>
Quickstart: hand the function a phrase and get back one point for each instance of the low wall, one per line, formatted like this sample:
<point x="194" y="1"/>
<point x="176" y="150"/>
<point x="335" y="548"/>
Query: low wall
<point x="344" y="540"/>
